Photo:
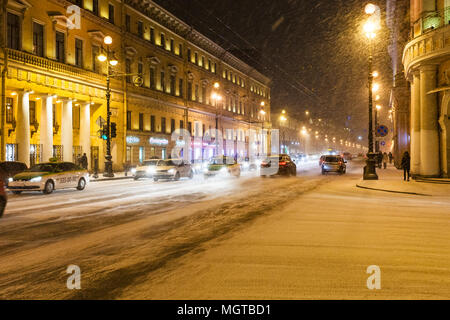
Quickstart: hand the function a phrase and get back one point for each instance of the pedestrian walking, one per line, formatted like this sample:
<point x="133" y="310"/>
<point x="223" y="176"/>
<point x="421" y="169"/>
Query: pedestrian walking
<point x="391" y="157"/>
<point x="406" y="166"/>
<point x="385" y="160"/>
<point x="84" y="161"/>
<point x="379" y="159"/>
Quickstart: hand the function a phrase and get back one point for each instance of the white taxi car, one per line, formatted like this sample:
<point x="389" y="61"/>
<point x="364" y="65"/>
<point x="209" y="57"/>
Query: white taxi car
<point x="49" y="176"/>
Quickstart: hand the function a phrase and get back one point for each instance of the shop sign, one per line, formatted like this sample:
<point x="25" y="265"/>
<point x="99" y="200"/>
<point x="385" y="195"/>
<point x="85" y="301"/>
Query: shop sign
<point x="158" y="141"/>
<point x="133" y="139"/>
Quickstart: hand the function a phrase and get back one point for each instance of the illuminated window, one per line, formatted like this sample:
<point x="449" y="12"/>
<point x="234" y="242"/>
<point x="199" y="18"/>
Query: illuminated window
<point x="140" y="29"/>
<point x="128" y="23"/>
<point x="111" y="13"/>
<point x="79" y="53"/>
<point x="38" y="39"/>
<point x="9" y="110"/>
<point x="13" y="31"/>
<point x="152" y="35"/>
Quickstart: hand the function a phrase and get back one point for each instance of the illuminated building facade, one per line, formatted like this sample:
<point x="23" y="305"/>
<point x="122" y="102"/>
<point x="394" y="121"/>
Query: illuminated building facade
<point x="54" y="101"/>
<point x="426" y="59"/>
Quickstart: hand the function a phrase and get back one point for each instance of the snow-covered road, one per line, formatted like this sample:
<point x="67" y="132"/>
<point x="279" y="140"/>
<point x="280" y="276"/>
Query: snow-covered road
<point x="232" y="238"/>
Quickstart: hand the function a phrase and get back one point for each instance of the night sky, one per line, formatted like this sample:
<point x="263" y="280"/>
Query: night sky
<point x="313" y="50"/>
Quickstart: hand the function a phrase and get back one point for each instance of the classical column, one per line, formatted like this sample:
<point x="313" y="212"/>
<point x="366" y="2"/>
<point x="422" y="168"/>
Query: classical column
<point x="415" y="124"/>
<point x="67" y="130"/>
<point x="47" y="127"/>
<point x="429" y="132"/>
<point x="85" y="130"/>
<point x="23" y="134"/>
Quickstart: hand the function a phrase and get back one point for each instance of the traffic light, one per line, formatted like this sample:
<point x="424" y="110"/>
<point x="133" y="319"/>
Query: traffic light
<point x="105" y="132"/>
<point x="113" y="130"/>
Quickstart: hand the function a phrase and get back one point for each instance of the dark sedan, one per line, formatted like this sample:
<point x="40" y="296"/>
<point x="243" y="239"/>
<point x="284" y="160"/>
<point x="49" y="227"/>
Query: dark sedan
<point x="279" y="165"/>
<point x="10" y="169"/>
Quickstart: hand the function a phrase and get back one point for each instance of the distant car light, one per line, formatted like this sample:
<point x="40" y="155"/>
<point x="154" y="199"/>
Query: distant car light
<point x="172" y="171"/>
<point x="133" y="171"/>
<point x="224" y="170"/>
<point x="10" y="180"/>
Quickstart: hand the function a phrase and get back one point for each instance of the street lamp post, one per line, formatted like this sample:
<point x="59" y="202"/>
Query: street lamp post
<point x="110" y="61"/>
<point x="282" y="120"/>
<point x="370" y="28"/>
<point x="216" y="97"/>
<point x="377" y="142"/>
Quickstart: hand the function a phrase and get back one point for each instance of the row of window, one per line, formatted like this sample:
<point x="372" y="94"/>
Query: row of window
<point x="163" y="124"/>
<point x="229" y="133"/>
<point x="228" y="75"/>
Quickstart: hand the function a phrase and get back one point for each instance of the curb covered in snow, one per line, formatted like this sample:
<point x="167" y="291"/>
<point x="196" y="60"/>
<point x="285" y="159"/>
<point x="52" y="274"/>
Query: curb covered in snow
<point x="110" y="179"/>
<point x="393" y="191"/>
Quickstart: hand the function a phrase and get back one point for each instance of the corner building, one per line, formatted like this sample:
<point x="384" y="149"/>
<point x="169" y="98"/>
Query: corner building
<point x="55" y="87"/>
<point x="426" y="59"/>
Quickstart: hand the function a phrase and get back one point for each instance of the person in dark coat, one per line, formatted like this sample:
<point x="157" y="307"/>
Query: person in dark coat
<point x="379" y="159"/>
<point x="84" y="161"/>
<point x="406" y="165"/>
<point x="391" y="157"/>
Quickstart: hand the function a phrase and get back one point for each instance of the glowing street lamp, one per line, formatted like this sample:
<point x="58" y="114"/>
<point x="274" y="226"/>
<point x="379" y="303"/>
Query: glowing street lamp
<point x="375" y="87"/>
<point x="370" y="9"/>
<point x="370" y="28"/>
<point x="110" y="60"/>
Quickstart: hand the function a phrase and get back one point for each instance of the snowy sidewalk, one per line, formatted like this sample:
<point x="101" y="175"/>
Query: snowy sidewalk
<point x="391" y="180"/>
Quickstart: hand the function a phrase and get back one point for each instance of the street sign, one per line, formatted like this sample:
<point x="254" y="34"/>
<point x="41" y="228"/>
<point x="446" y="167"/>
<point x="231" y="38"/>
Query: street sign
<point x="382" y="131"/>
<point x="100" y="121"/>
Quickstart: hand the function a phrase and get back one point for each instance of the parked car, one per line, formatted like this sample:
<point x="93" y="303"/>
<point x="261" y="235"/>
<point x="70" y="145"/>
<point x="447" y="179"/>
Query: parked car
<point x="3" y="196"/>
<point x="50" y="176"/>
<point x="10" y="169"/>
<point x="173" y="170"/>
<point x="334" y="164"/>
<point x="146" y="170"/>
<point x="286" y="166"/>
<point x="222" y="166"/>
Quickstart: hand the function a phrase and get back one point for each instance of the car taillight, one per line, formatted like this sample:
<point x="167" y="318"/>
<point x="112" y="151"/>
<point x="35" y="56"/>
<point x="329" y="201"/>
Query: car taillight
<point x="282" y="163"/>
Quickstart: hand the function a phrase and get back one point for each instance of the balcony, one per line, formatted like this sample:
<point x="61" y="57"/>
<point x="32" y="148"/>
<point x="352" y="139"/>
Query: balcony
<point x="48" y="65"/>
<point x="431" y="21"/>
<point x="432" y="46"/>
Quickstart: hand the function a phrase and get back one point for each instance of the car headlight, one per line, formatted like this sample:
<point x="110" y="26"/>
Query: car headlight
<point x="172" y="171"/>
<point x="205" y="170"/>
<point x="151" y="170"/>
<point x="224" y="170"/>
<point x="133" y="171"/>
<point x="246" y="165"/>
<point x="36" y="179"/>
<point x="10" y="180"/>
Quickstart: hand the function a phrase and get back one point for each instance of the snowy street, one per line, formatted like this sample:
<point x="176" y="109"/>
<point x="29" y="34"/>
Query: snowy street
<point x="308" y="237"/>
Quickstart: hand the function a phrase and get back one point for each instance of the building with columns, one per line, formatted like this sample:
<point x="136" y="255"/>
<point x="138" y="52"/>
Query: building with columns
<point x="399" y="26"/>
<point x="426" y="59"/>
<point x="54" y="92"/>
